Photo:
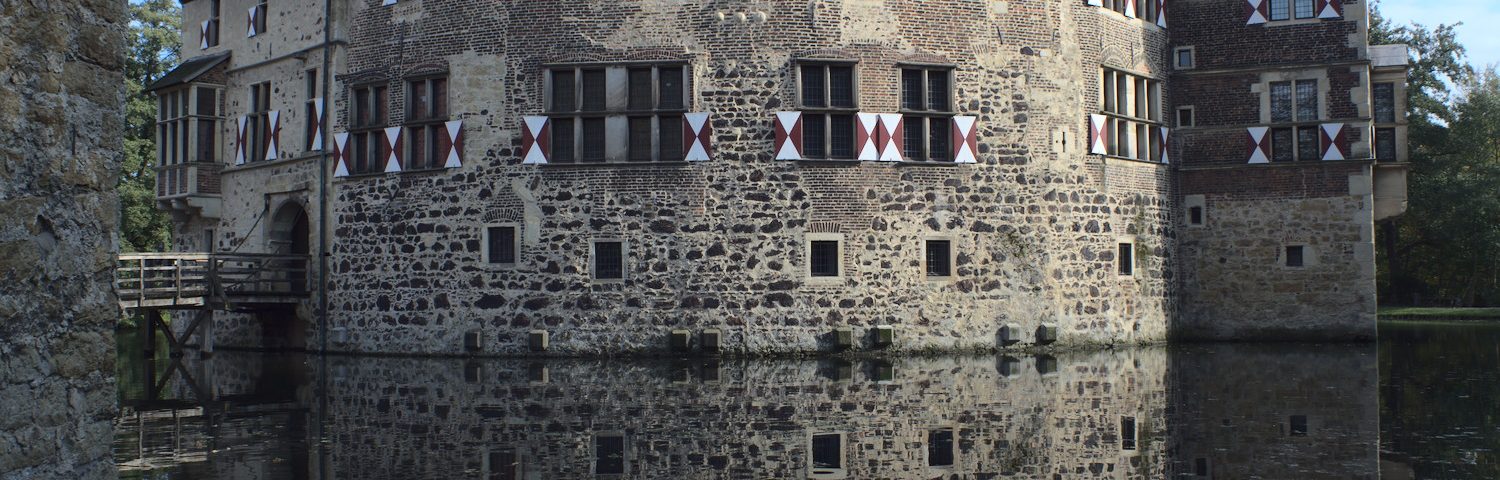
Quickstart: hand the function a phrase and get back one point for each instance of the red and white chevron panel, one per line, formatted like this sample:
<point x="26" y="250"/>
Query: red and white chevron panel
<point x="1098" y="134"/>
<point x="318" y="118"/>
<point x="203" y="36"/>
<point x="788" y="135"/>
<point x="697" y="138"/>
<point x="455" y="153"/>
<point x="1166" y="144"/>
<point x="340" y="151"/>
<point x="536" y="140"/>
<point x="1330" y="8"/>
<point x="1259" y="12"/>
<point x="965" y="139"/>
<point x="273" y="133"/>
<point x="1334" y="143"/>
<point x="1161" y="13"/>
<point x="867" y="136"/>
<point x="250" y="22"/>
<point x="1259" y="147"/>
<point x="239" y="141"/>
<point x="1130" y="8"/>
<point x="892" y="137"/>
<point x="393" y="143"/>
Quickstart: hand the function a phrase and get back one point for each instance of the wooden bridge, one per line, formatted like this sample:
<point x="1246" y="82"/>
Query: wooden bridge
<point x="149" y="283"/>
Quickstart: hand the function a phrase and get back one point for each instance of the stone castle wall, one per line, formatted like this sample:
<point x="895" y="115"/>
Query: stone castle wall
<point x="721" y="244"/>
<point x="61" y="113"/>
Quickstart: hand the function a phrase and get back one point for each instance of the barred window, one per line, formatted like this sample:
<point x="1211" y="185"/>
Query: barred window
<point x="1385" y="144"/>
<point x="823" y="258"/>
<point x="500" y="245"/>
<point x="828" y="100"/>
<point x="367" y="121"/>
<point x="1385" y="102"/>
<point x="257" y="123"/>
<point x="609" y="260"/>
<point x="1132" y="105"/>
<point x="927" y="112"/>
<point x="1295" y="102"/>
<point x="939" y="258"/>
<point x="647" y="112"/>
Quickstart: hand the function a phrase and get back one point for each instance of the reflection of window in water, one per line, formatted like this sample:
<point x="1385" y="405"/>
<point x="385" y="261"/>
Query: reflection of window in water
<point x="940" y="447"/>
<point x="1298" y="425"/>
<point x="609" y="454"/>
<point x="1200" y="467"/>
<point x="1127" y="433"/>
<point x="504" y="465"/>
<point x="827" y="453"/>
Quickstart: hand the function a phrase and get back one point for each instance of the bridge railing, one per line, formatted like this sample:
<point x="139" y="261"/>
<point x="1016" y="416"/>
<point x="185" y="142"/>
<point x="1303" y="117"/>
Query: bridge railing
<point x="160" y="280"/>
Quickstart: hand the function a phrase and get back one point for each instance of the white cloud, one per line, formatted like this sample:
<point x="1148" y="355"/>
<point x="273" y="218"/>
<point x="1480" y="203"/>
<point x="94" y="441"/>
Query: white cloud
<point x="1479" y="19"/>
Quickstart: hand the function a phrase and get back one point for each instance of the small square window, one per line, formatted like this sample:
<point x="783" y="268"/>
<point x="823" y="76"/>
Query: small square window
<point x="609" y="260"/>
<point x="939" y="258"/>
<point x="500" y="245"/>
<point x="1185" y="117"/>
<point x="1126" y="259"/>
<point x="827" y="454"/>
<point x="823" y="258"/>
<point x="1127" y="433"/>
<point x="1295" y="256"/>
<point x="1184" y="58"/>
<point x="1195" y="215"/>
<point x="1297" y="426"/>
<point x="940" y="447"/>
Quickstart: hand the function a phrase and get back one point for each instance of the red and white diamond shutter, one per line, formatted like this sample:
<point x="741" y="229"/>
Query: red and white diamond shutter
<point x="340" y="147"/>
<point x="788" y="135"/>
<point x="454" y="156"/>
<point x="1333" y="142"/>
<point x="867" y="136"/>
<point x="1098" y="131"/>
<point x="697" y="137"/>
<point x="1130" y="8"/>
<point x="273" y="137"/>
<point x="1259" y="146"/>
<point x="250" y="22"/>
<point x="536" y="140"/>
<point x="239" y="141"/>
<point x="1161" y="13"/>
<point x="393" y="143"/>
<point x="1330" y="8"/>
<point x="203" y="36"/>
<point x="892" y="137"/>
<point x="965" y="139"/>
<point x="1258" y="11"/>
<point x="317" y="127"/>
<point x="1166" y="144"/>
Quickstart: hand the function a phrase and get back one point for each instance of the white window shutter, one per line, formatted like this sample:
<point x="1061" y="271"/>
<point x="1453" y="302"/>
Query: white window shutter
<point x="455" y="154"/>
<point x="317" y="133"/>
<point x="536" y="140"/>
<point x="239" y="141"/>
<point x="203" y="36"/>
<point x="1094" y="3"/>
<point x="1259" y="12"/>
<point x="1130" y="8"/>
<point x="250" y="22"/>
<point x="788" y="135"/>
<point x="273" y="134"/>
<point x="1259" y="147"/>
<point x="965" y="139"/>
<point x="697" y="136"/>
<point x="340" y="149"/>
<point x="892" y="130"/>
<point x="1161" y="12"/>
<point x="393" y="142"/>
<point x="1166" y="144"/>
<point x="1330" y="9"/>
<point x="1098" y="134"/>
<point x="867" y="136"/>
<point x="1333" y="141"/>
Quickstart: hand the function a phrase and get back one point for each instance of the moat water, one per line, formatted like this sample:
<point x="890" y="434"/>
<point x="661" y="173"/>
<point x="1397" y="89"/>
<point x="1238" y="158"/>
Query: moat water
<point x="1422" y="403"/>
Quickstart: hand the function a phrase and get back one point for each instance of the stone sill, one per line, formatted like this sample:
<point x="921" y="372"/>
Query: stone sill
<point x="1351" y="161"/>
<point x="248" y="166"/>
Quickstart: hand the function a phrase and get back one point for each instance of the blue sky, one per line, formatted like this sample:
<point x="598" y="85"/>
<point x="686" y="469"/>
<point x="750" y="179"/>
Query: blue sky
<point x="1480" y="19"/>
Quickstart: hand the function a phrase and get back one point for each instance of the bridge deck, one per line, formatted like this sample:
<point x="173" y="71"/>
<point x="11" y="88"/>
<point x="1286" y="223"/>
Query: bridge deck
<point x="220" y="281"/>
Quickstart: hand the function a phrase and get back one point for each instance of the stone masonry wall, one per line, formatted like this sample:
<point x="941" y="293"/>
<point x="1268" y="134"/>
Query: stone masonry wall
<point x="61" y="92"/>
<point x="721" y="244"/>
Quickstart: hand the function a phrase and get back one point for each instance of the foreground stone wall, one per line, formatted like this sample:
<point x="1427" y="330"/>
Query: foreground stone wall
<point x="1035" y="223"/>
<point x="61" y="97"/>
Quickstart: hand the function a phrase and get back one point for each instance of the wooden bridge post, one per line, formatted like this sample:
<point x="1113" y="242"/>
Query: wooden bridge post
<point x="148" y="332"/>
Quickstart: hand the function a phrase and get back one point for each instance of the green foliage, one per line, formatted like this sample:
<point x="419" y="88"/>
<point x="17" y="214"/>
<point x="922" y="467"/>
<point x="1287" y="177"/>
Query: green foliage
<point x="154" y="45"/>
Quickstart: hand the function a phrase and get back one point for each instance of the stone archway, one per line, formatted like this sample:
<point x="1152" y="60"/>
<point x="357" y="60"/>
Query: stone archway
<point x="289" y="232"/>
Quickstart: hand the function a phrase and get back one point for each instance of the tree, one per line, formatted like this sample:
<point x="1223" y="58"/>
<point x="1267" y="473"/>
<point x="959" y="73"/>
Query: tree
<point x="155" y="42"/>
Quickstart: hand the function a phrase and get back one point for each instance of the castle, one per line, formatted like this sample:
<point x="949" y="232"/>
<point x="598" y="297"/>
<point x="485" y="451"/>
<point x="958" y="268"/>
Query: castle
<point x="774" y="176"/>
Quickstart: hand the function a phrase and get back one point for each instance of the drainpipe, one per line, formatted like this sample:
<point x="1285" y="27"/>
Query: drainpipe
<point x="323" y="177"/>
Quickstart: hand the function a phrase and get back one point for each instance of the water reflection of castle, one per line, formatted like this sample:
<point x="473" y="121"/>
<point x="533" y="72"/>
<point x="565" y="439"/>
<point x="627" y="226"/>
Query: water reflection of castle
<point x="1214" y="412"/>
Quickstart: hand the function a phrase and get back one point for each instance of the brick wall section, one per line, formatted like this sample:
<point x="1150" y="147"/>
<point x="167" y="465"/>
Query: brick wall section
<point x="1217" y="29"/>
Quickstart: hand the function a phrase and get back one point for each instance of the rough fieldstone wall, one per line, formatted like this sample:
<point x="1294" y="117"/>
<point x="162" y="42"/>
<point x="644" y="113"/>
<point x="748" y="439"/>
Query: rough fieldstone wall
<point x="720" y="244"/>
<point x="411" y="418"/>
<point x="61" y="114"/>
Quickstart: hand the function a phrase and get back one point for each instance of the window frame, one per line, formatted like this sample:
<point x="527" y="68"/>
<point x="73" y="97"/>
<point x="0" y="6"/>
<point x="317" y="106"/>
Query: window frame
<point x="925" y="117"/>
<point x="838" y="260"/>
<point x="593" y="260"/>
<point x="1125" y="125"/>
<point x="486" y="256"/>
<point x="262" y="10"/>
<point x="813" y="471"/>
<point x="367" y="144"/>
<point x="180" y="131"/>
<point x="1192" y="53"/>
<point x="618" y="117"/>
<point x="1295" y="122"/>
<point x="1125" y="268"/>
<point x="491" y="470"/>
<point x="952" y="447"/>
<point x="826" y="113"/>
<point x="927" y="256"/>
<point x="1309" y="256"/>
<point x="212" y="36"/>
<point x="624" y="453"/>
<point x="310" y="125"/>
<point x="1133" y="443"/>
<point x="425" y="130"/>
<point x="1192" y="113"/>
<point x="258" y="114"/>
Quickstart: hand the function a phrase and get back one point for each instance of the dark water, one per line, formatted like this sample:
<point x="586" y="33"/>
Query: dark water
<point x="1422" y="406"/>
